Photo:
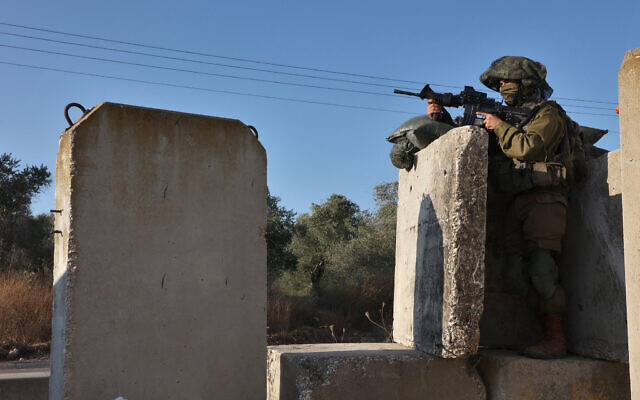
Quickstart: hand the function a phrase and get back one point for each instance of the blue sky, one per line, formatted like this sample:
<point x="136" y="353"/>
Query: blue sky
<point x="313" y="150"/>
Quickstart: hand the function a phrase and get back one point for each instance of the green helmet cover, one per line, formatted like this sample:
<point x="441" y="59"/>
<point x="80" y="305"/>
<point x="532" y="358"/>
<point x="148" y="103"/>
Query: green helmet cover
<point x="530" y="73"/>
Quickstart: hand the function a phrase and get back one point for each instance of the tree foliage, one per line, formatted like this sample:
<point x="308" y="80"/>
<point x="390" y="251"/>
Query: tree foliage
<point x="345" y="255"/>
<point x="17" y="187"/>
<point x="25" y="241"/>
<point x="318" y="235"/>
<point x="280" y="224"/>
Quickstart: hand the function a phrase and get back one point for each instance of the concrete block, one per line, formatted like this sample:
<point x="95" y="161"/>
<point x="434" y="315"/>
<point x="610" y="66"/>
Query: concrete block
<point x="24" y="381"/>
<point x="508" y="322"/>
<point x="629" y="100"/>
<point x="160" y="267"/>
<point x="371" y="371"/>
<point x="592" y="264"/>
<point x="508" y="376"/>
<point x="439" y="274"/>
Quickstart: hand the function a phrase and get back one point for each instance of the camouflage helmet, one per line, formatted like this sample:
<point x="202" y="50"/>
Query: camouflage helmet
<point x="530" y="73"/>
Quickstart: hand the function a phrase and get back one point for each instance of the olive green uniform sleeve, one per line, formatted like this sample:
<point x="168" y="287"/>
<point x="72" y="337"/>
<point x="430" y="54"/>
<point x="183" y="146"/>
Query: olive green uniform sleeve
<point x="542" y="137"/>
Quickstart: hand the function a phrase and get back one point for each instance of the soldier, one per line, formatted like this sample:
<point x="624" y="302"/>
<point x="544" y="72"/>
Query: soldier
<point x="536" y="218"/>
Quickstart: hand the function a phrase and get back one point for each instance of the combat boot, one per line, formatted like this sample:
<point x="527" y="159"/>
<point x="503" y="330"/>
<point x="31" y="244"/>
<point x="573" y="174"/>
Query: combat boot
<point x="553" y="344"/>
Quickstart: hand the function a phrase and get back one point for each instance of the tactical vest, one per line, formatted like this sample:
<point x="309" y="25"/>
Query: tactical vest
<point x="565" y="160"/>
<point x="568" y="150"/>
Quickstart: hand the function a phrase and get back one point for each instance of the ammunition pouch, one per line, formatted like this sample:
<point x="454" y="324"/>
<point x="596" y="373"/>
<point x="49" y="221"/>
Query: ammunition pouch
<point x="519" y="176"/>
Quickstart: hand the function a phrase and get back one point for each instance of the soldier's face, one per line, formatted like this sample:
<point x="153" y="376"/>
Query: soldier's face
<point x="509" y="89"/>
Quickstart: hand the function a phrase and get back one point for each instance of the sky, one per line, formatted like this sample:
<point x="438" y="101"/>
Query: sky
<point x="313" y="149"/>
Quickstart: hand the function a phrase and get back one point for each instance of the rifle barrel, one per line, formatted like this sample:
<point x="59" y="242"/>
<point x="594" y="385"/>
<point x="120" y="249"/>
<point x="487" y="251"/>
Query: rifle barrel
<point x="398" y="91"/>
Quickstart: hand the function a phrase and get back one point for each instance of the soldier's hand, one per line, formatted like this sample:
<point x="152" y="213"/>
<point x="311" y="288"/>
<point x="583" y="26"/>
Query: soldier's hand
<point x="434" y="110"/>
<point x="490" y="120"/>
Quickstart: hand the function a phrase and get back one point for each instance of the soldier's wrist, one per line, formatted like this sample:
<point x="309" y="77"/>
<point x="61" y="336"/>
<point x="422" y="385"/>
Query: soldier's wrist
<point x="502" y="128"/>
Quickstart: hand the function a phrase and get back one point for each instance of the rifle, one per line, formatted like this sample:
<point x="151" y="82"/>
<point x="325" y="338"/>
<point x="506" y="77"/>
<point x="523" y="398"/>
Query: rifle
<point x="473" y="102"/>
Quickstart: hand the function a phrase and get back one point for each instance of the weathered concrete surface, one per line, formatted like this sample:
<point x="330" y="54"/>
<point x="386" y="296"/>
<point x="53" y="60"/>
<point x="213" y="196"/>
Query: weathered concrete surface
<point x="629" y="99"/>
<point x="371" y="371"/>
<point x="160" y="270"/>
<point x="508" y="376"/>
<point x="439" y="274"/>
<point x="24" y="381"/>
<point x="592" y="264"/>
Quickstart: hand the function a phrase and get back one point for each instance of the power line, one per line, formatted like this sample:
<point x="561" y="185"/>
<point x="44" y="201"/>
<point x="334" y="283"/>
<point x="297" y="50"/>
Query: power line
<point x="601" y="115"/>
<point x="234" y="76"/>
<point x="257" y="61"/>
<point x="589" y="107"/>
<point x="222" y="75"/>
<point x="215" y="55"/>
<point x="589" y="101"/>
<point x="227" y="91"/>
<point x="207" y="62"/>
<point x="206" y="89"/>
<point x="196" y="72"/>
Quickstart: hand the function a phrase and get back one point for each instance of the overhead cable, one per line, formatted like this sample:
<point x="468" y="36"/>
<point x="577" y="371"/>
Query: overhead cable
<point x="156" y="83"/>
<point x="194" y="71"/>
<point x="224" y="75"/>
<point x="214" y="55"/>
<point x="208" y="62"/>
<point x="256" y="61"/>
<point x="206" y="89"/>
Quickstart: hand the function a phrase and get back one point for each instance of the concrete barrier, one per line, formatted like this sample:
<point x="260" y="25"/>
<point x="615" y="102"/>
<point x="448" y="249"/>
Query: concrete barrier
<point x="592" y="264"/>
<point x="629" y="97"/>
<point x="24" y="380"/>
<point x="371" y="371"/>
<point x="439" y="274"/>
<point x="379" y="371"/>
<point x="160" y="263"/>
<point x="508" y="376"/>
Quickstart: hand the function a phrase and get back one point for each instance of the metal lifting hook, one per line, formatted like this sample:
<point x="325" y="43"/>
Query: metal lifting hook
<point x="254" y="130"/>
<point x="66" y="111"/>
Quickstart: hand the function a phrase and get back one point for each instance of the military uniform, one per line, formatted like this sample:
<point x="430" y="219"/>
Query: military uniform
<point x="537" y="216"/>
<point x="536" y="219"/>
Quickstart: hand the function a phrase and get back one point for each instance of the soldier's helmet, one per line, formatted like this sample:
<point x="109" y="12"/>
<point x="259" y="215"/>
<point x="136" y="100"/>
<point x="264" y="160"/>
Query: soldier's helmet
<point x="530" y="73"/>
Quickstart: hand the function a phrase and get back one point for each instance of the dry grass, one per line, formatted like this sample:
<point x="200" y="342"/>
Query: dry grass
<point x="25" y="308"/>
<point x="283" y="310"/>
<point x="358" y="311"/>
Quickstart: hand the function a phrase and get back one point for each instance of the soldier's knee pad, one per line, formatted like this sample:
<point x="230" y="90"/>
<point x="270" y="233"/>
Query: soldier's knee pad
<point x="515" y="275"/>
<point x="543" y="273"/>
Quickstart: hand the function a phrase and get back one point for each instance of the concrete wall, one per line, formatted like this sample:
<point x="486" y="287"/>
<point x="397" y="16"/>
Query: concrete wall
<point x="509" y="376"/>
<point x="591" y="270"/>
<point x="439" y="273"/>
<point x="24" y="380"/>
<point x="371" y="371"/>
<point x="629" y="97"/>
<point x="380" y="371"/>
<point x="160" y="270"/>
<point x="592" y="265"/>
